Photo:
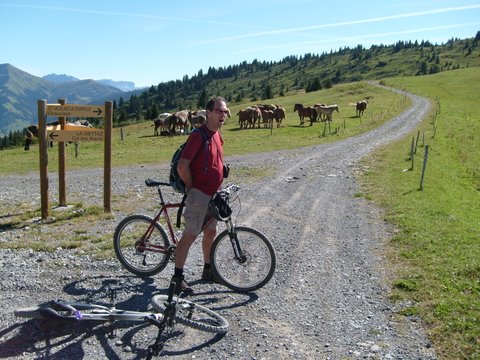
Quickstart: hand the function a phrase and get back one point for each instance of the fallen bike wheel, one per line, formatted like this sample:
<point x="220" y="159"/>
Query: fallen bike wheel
<point x="140" y="254"/>
<point x="252" y="269"/>
<point x="193" y="315"/>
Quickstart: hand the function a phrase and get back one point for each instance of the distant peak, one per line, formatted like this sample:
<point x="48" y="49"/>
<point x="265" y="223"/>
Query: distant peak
<point x="59" y="78"/>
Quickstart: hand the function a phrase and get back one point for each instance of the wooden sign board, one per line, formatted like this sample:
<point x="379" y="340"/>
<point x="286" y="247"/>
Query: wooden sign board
<point x="75" y="135"/>
<point x="72" y="110"/>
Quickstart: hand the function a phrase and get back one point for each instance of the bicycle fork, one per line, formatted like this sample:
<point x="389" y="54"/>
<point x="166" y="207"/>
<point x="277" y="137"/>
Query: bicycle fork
<point x="237" y="249"/>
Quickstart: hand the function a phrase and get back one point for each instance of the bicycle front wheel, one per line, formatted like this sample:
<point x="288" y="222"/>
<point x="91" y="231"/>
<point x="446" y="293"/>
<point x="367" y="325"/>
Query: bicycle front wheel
<point x="194" y="315"/>
<point x="246" y="265"/>
<point x="141" y="245"/>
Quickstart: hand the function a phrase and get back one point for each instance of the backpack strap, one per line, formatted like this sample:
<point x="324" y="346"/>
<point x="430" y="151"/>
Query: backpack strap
<point x="180" y="210"/>
<point x="206" y="139"/>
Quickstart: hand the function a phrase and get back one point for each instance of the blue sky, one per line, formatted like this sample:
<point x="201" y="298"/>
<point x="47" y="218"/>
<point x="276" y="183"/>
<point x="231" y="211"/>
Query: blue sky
<point x="153" y="41"/>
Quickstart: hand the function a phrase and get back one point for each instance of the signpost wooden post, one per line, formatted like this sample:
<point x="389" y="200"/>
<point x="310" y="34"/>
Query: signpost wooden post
<point x="70" y="133"/>
<point x="43" y="154"/>
<point x="107" y="174"/>
<point x="62" y="184"/>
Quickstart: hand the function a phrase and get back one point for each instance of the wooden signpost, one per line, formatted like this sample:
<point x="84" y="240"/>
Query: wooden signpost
<point x="69" y="133"/>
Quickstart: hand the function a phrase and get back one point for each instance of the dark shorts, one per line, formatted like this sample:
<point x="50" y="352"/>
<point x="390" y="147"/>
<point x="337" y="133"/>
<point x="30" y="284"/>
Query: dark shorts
<point x="196" y="210"/>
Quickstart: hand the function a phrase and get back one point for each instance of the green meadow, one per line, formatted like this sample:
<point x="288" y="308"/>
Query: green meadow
<point x="437" y="246"/>
<point x="140" y="146"/>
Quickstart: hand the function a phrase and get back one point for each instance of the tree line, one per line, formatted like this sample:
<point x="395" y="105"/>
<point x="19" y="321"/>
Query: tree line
<point x="260" y="80"/>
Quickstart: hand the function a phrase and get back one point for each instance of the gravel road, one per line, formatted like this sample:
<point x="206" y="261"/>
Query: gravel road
<point x="327" y="300"/>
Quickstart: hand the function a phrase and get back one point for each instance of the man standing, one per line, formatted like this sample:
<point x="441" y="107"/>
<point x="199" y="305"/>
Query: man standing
<point x="201" y="169"/>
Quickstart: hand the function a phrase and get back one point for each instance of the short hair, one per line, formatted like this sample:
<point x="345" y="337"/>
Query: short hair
<point x="211" y="103"/>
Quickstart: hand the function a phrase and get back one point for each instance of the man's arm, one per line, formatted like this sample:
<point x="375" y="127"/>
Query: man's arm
<point x="185" y="173"/>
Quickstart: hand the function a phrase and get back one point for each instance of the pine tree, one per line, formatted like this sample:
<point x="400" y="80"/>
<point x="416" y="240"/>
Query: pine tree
<point x="202" y="100"/>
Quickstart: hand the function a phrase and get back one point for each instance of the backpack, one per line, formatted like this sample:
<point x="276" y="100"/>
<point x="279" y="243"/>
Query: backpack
<point x="175" y="181"/>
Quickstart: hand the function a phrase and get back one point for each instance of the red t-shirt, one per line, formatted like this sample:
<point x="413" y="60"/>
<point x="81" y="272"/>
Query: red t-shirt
<point x="206" y="162"/>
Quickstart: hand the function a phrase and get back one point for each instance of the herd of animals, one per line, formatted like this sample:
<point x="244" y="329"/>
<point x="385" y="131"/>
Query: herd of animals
<point x="254" y="116"/>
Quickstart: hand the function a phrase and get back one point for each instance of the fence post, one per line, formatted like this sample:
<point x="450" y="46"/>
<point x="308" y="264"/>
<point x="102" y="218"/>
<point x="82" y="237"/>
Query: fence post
<point x="425" y="158"/>
<point x="411" y="151"/>
<point x="416" y="142"/>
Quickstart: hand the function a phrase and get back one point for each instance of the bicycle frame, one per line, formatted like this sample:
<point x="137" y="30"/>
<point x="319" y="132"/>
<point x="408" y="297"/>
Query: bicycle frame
<point x="100" y="312"/>
<point x="143" y="245"/>
<point x="163" y="212"/>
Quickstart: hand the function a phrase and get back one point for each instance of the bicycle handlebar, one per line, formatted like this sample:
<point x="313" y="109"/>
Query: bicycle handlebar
<point x="51" y="314"/>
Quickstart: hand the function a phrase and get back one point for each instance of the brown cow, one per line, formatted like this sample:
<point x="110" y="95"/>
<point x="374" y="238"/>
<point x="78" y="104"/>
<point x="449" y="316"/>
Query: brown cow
<point x="305" y="111"/>
<point x="279" y="115"/>
<point x="268" y="116"/>
<point x="245" y="118"/>
<point x="159" y="123"/>
<point x="257" y="115"/>
<point x="180" y="119"/>
<point x="360" y="108"/>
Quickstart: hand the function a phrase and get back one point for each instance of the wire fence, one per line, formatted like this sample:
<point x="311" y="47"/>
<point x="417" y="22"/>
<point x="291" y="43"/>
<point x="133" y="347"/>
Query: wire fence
<point x="450" y="178"/>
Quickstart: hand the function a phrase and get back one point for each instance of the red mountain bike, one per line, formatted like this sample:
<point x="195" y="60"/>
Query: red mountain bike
<point x="242" y="258"/>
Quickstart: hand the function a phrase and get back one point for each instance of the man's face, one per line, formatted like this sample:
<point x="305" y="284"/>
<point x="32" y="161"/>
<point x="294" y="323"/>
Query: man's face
<point x="217" y="116"/>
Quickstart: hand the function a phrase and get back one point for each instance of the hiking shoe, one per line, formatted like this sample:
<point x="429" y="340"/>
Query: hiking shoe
<point x="207" y="275"/>
<point x="182" y="286"/>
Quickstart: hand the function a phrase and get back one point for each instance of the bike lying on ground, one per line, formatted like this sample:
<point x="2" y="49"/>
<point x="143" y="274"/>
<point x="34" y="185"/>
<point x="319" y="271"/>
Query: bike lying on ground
<point x="168" y="310"/>
<point x="242" y="258"/>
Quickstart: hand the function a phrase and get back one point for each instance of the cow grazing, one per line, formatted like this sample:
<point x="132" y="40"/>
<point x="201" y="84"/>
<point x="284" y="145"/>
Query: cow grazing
<point x="360" y="108"/>
<point x="268" y="116"/>
<point x="305" y="111"/>
<point x="159" y="123"/>
<point x="245" y="118"/>
<point x="325" y="112"/>
<point x="279" y="115"/>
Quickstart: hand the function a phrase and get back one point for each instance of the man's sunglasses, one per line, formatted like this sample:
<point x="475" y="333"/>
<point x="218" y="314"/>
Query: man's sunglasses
<point x="220" y="111"/>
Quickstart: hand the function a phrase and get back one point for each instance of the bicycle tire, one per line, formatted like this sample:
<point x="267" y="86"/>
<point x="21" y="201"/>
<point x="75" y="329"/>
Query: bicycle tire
<point x="251" y="274"/>
<point x="196" y="316"/>
<point x="141" y="262"/>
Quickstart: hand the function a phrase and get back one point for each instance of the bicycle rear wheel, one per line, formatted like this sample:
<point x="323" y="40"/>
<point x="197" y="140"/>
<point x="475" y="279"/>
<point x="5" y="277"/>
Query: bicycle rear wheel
<point x="141" y="253"/>
<point x="193" y="315"/>
<point x="252" y="269"/>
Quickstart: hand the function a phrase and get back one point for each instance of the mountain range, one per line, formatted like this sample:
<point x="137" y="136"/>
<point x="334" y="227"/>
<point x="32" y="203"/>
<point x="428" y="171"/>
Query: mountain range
<point x="19" y="92"/>
<point x="121" y="85"/>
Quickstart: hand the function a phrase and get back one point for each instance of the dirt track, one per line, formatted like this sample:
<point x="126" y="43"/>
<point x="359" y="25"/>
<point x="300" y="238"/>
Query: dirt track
<point x="328" y="298"/>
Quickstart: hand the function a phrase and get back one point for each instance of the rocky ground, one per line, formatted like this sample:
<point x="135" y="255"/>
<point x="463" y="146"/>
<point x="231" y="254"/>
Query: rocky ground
<point x="328" y="298"/>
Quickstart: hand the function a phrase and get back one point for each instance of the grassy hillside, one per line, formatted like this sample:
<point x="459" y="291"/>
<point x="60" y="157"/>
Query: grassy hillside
<point x="140" y="146"/>
<point x="437" y="246"/>
<point x="310" y="72"/>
